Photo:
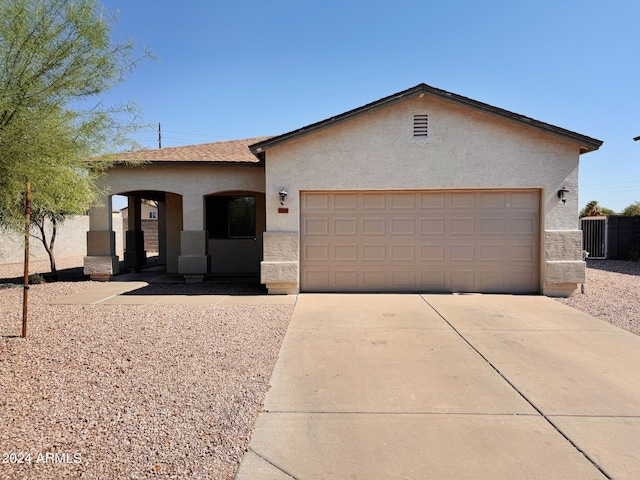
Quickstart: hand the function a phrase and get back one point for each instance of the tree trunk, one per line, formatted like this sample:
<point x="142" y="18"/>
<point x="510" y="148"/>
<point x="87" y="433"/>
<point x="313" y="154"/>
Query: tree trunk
<point x="52" y="258"/>
<point x="48" y="246"/>
<point x="52" y="263"/>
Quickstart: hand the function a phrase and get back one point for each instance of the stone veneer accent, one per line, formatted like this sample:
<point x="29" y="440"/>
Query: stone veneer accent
<point x="101" y="268"/>
<point x="564" y="266"/>
<point x="279" y="270"/>
<point x="194" y="261"/>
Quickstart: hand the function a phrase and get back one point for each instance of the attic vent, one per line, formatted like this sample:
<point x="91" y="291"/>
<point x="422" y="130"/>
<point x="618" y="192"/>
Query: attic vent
<point x="420" y="124"/>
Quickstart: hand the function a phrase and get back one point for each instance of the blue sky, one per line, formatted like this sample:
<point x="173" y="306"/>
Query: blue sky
<point x="245" y="68"/>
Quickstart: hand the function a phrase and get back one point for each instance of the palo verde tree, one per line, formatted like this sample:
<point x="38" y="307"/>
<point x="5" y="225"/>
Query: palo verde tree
<point x="57" y="59"/>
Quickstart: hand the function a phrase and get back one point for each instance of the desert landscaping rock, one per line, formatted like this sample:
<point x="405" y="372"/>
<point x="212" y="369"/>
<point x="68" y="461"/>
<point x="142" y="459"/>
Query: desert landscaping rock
<point x="132" y="391"/>
<point x="611" y="293"/>
<point x="166" y="391"/>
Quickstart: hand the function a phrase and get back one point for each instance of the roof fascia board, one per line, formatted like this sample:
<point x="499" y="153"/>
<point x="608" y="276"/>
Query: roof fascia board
<point x="190" y="163"/>
<point x="587" y="143"/>
<point x="258" y="148"/>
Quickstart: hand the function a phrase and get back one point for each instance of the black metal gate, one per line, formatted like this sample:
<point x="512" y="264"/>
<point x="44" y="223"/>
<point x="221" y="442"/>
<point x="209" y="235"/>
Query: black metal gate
<point x="594" y="236"/>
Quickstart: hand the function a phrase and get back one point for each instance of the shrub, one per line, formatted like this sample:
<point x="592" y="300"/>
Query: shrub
<point x="634" y="252"/>
<point x="36" y="279"/>
<point x="632" y="210"/>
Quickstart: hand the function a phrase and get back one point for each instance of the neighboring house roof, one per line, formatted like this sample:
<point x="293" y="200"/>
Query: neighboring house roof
<point x="587" y="144"/>
<point x="150" y="207"/>
<point x="145" y="209"/>
<point x="233" y="151"/>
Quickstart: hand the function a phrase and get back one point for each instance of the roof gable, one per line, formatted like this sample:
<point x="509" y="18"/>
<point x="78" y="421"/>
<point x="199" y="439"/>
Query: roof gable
<point x="586" y="144"/>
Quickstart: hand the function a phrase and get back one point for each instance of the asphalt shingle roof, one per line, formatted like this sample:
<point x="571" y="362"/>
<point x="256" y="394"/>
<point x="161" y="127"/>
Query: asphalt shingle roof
<point x="232" y="151"/>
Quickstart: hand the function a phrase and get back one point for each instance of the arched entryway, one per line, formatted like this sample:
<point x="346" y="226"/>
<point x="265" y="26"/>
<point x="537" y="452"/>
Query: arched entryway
<point x="102" y="261"/>
<point x="153" y="224"/>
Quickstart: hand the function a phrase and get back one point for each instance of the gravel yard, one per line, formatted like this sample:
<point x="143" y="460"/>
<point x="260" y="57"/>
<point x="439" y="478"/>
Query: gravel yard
<point x="129" y="391"/>
<point x="612" y="293"/>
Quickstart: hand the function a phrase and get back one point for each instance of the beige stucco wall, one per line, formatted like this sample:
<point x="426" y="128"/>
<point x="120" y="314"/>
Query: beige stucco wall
<point x="174" y="214"/>
<point x="192" y="182"/>
<point x="70" y="241"/>
<point x="465" y="149"/>
<point x="186" y="186"/>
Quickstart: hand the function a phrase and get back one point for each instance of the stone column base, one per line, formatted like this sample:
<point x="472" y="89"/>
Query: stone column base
<point x="101" y="268"/>
<point x="559" y="289"/>
<point x="193" y="278"/>
<point x="282" y="288"/>
<point x="135" y="260"/>
<point x="193" y="267"/>
<point x="280" y="277"/>
<point x="194" y="261"/>
<point x="562" y="277"/>
<point x="135" y="256"/>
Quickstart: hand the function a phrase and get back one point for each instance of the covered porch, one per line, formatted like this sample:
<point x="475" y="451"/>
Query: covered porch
<point x="210" y="213"/>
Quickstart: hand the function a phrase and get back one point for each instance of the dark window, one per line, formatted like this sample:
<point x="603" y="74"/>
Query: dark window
<point x="231" y="217"/>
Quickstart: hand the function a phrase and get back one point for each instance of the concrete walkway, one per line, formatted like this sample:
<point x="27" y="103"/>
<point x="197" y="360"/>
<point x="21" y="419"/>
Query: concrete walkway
<point x="123" y="293"/>
<point x="448" y="387"/>
<point x="129" y="289"/>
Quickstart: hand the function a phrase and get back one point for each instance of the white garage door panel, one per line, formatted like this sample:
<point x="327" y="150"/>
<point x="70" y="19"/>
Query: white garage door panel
<point x="446" y="241"/>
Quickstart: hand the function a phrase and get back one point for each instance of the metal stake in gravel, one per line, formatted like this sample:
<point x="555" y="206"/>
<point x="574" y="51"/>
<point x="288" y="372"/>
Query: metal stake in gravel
<point x="25" y="295"/>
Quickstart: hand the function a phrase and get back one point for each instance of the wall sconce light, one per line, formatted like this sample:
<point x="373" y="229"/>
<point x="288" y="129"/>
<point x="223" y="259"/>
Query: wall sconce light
<point x="562" y="194"/>
<point x="283" y="196"/>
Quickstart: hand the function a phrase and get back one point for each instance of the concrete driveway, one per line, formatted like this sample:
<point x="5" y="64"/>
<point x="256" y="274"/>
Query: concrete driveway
<point x="448" y="387"/>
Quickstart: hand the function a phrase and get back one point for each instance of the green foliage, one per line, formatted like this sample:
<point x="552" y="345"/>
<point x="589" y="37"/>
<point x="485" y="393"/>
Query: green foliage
<point x="607" y="211"/>
<point x="36" y="279"/>
<point x="634" y="253"/>
<point x="56" y="59"/>
<point x="632" y="210"/>
<point x="593" y="209"/>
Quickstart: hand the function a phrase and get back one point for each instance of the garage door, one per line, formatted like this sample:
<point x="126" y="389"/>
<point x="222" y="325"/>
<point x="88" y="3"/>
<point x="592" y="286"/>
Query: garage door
<point x="432" y="241"/>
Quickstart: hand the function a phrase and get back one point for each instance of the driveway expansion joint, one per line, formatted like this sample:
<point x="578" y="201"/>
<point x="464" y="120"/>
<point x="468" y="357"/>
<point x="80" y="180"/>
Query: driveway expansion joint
<point x="524" y="397"/>
<point x="569" y="415"/>
<point x="407" y="414"/>
<point x="266" y="460"/>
